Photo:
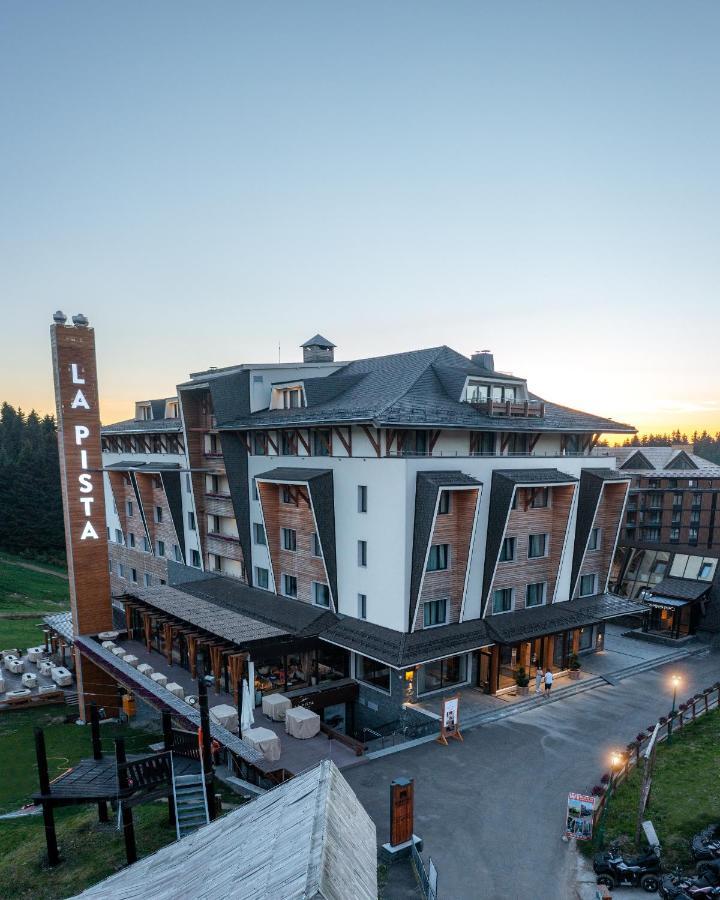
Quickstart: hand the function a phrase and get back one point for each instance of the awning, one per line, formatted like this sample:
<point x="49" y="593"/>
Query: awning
<point x="539" y="621"/>
<point x="666" y="602"/>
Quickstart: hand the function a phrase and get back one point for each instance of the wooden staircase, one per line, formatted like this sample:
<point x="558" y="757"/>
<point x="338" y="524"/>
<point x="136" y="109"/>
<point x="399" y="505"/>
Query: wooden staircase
<point x="191" y="810"/>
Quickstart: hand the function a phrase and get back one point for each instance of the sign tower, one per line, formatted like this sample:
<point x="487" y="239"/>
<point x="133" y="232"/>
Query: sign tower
<point x="78" y="429"/>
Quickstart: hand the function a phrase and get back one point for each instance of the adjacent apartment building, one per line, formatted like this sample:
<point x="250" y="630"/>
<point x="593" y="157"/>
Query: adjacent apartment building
<point x="437" y="523"/>
<point x="670" y="540"/>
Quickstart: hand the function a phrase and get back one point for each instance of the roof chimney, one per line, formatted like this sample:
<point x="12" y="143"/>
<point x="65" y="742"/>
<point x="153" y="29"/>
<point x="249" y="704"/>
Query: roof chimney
<point x="318" y="349"/>
<point x="484" y="359"/>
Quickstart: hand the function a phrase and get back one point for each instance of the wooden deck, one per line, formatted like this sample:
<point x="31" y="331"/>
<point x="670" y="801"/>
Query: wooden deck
<point x="93" y="780"/>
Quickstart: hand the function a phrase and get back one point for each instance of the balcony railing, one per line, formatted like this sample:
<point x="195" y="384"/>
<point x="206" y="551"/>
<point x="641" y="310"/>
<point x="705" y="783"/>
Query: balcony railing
<point x="520" y="409"/>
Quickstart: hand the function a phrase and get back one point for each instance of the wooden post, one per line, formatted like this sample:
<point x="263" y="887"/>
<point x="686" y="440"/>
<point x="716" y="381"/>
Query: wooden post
<point x="168" y="745"/>
<point x="95" y="730"/>
<point x="239" y="696"/>
<point x="401" y="811"/>
<point x="48" y="818"/>
<point x="127" y="816"/>
<point x="205" y="749"/>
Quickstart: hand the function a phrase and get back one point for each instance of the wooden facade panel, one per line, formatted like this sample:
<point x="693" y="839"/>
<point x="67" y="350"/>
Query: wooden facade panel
<point x="454" y="529"/>
<point x="524" y="521"/>
<point x="301" y="563"/>
<point x="607" y="519"/>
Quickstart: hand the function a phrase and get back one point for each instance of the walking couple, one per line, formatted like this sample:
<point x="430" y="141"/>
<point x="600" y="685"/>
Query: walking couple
<point x="545" y="678"/>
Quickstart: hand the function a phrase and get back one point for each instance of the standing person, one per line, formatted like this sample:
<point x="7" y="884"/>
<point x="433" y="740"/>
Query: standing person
<point x="548" y="683"/>
<point x="539" y="675"/>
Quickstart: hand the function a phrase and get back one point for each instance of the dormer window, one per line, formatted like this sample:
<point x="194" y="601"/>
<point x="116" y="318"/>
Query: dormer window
<point x="481" y="392"/>
<point x="172" y="410"/>
<point x="287" y="397"/>
<point x="144" y="413"/>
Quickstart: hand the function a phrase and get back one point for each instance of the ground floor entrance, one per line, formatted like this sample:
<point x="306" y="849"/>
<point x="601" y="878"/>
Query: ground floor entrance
<point x="672" y="620"/>
<point x="498" y="666"/>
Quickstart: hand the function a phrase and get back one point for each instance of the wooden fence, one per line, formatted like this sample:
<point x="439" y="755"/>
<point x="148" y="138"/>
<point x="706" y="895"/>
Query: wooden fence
<point x="687" y="712"/>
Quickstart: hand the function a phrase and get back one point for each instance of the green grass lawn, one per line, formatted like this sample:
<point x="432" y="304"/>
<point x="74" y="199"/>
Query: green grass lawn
<point x="25" y="595"/>
<point x="685" y="792"/>
<point x="90" y="851"/>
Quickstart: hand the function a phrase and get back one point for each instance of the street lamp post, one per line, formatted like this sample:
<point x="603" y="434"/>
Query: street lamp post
<point x="675" y="683"/>
<point x="615" y="760"/>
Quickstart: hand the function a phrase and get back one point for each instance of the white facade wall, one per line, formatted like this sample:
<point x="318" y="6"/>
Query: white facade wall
<point x="388" y="524"/>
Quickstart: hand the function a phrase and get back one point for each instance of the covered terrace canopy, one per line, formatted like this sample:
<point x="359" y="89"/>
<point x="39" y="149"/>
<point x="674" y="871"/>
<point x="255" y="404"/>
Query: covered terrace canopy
<point x="307" y="838"/>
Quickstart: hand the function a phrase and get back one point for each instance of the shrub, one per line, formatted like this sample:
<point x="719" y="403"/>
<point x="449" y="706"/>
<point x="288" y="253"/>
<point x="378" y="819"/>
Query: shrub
<point x="598" y="790"/>
<point x="640" y="737"/>
<point x="606" y="778"/>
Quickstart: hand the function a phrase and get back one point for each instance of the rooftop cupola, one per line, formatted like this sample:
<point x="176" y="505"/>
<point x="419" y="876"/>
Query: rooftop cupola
<point x="318" y="349"/>
<point x="484" y="359"/>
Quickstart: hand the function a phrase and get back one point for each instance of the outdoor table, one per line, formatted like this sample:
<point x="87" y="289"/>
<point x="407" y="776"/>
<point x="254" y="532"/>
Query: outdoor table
<point x="159" y="678"/>
<point x="108" y="645"/>
<point x="302" y="723"/>
<point x="175" y="689"/>
<point x="61" y="676"/>
<point x="108" y="635"/>
<point x="225" y="715"/>
<point x="263" y="740"/>
<point x="131" y="660"/>
<point x="119" y="651"/>
<point x="16" y="666"/>
<point x="145" y="669"/>
<point x="275" y="706"/>
<point x="29" y="680"/>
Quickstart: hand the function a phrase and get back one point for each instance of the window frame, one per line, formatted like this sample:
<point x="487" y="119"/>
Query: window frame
<point x="434" y="558"/>
<point x="594" y="577"/>
<point x="499" y="612"/>
<point x="432" y="606"/>
<point x="288" y="536"/>
<point x="546" y="545"/>
<point x="284" y="582"/>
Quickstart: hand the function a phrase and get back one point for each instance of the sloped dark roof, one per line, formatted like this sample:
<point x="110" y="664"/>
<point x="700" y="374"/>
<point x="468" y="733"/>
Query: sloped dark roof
<point x="319" y="341"/>
<point x="142" y="426"/>
<point x="398" y="649"/>
<point x="525" y="624"/>
<point x="535" y="476"/>
<point x="127" y="464"/>
<point x="319" y="391"/>
<point x="638" y="460"/>
<point x="293" y="616"/>
<point x="292" y="473"/>
<point x="681" y="460"/>
<point x="420" y="388"/>
<point x="681" y="588"/>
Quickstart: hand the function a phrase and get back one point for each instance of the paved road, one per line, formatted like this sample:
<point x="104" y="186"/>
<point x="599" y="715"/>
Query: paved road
<point x="491" y="810"/>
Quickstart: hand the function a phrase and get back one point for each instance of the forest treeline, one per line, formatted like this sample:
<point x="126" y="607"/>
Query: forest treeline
<point x="700" y="442"/>
<point x="31" y="515"/>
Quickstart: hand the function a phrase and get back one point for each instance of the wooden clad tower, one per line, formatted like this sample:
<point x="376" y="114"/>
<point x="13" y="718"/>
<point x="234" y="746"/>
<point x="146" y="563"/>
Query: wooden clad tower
<point x="78" y="424"/>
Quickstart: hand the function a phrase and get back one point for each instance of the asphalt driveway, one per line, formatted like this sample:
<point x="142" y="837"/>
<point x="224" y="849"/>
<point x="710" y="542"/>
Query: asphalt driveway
<point x="491" y="810"/>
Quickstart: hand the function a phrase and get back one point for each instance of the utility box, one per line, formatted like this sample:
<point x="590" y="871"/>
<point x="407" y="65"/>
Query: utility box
<point x="128" y="705"/>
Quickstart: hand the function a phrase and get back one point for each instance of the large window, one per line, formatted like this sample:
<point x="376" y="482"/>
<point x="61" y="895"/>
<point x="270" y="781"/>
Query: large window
<point x="372" y="672"/>
<point x="586" y="638"/>
<point x="518" y="444"/>
<point x="321" y="594"/>
<point x="502" y="600"/>
<point x="322" y="442"/>
<point x="289" y="583"/>
<point x="587" y="585"/>
<point x="262" y="578"/>
<point x="535" y="594"/>
<point x="259" y="533"/>
<point x="444" y="503"/>
<point x="434" y="613"/>
<point x="289" y="539"/>
<point x="537" y="545"/>
<point x="507" y="551"/>
<point x="594" y="539"/>
<point x="442" y="673"/>
<point x="540" y="498"/>
<point x="482" y="443"/>
<point x="259" y="443"/>
<point x="438" y="557"/>
<point x="288" y="443"/>
<point x="315" y="544"/>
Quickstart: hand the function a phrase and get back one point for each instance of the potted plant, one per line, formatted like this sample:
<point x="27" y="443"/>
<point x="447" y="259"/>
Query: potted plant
<point x="522" y="680"/>
<point x="574" y="665"/>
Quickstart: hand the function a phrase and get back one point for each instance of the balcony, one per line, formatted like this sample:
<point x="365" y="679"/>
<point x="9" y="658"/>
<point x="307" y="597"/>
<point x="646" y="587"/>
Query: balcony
<point x="518" y="409"/>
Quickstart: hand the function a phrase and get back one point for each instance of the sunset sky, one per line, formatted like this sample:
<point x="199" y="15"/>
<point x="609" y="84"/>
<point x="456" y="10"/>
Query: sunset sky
<point x="205" y="181"/>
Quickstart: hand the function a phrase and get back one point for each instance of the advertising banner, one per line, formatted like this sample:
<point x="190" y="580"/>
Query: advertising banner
<point x="579" y="819"/>
<point x="450" y="719"/>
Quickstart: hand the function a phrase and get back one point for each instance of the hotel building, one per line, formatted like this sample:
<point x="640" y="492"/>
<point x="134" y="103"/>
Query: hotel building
<point x="669" y="544"/>
<point x="402" y="525"/>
